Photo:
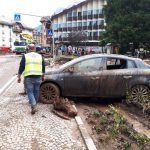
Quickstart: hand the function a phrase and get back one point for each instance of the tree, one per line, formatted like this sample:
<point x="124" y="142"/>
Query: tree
<point x="75" y="38"/>
<point x="128" y="21"/>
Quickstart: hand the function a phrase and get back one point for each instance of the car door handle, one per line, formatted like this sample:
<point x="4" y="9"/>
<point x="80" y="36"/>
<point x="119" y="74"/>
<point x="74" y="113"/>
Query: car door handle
<point x="94" y="78"/>
<point x="127" y="77"/>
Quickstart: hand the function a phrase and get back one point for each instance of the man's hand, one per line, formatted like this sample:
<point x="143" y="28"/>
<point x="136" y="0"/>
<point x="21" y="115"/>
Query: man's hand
<point x="19" y="78"/>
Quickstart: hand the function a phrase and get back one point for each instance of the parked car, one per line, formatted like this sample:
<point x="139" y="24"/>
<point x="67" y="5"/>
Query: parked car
<point x="98" y="75"/>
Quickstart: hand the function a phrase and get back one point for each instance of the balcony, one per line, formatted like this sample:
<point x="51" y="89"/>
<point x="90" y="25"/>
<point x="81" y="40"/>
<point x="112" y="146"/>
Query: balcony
<point x="65" y="29"/>
<point x="84" y="27"/>
<point x="84" y="17"/>
<point x="69" y="28"/>
<point x="60" y="29"/>
<point x="101" y="26"/>
<point x="95" y="27"/>
<point x="79" y="17"/>
<point x="90" y="16"/>
<point x="95" y="37"/>
<point x="95" y="16"/>
<point x="74" y="18"/>
<point x="74" y="28"/>
<point x="101" y="15"/>
<point x="69" y="19"/>
<point x="80" y="28"/>
<point x="90" y="27"/>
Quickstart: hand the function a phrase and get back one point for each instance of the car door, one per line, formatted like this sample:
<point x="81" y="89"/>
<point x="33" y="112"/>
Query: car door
<point x="83" y="80"/>
<point x="114" y="78"/>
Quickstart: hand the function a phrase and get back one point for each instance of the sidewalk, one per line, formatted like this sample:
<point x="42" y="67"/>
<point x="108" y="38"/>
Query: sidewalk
<point x="19" y="130"/>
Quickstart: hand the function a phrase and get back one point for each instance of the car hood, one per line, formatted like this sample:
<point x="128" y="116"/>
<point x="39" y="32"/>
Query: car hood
<point x="50" y="71"/>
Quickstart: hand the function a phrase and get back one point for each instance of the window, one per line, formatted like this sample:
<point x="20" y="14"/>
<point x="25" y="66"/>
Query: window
<point x="89" y="23"/>
<point x="131" y="64"/>
<point x="90" y="12"/>
<point x="95" y="12"/>
<point x="88" y="65"/>
<point x="79" y="24"/>
<point x="69" y="25"/>
<point x="74" y="14"/>
<point x="64" y="25"/>
<point x="101" y="11"/>
<point x="115" y="63"/>
<point x="74" y="24"/>
<point x="55" y="26"/>
<point x="95" y="23"/>
<point x="100" y="22"/>
<point x="69" y="14"/>
<point x="95" y="33"/>
<point x="79" y="14"/>
<point x="84" y="13"/>
<point x="84" y="23"/>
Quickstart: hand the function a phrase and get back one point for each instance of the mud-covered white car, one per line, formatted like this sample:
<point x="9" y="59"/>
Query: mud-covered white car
<point x="98" y="75"/>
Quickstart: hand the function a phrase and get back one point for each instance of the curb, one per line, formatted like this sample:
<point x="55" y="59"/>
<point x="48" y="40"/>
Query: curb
<point x="86" y="137"/>
<point x="8" y="84"/>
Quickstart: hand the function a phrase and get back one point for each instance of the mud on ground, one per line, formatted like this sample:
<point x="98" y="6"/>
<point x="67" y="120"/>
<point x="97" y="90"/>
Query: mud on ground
<point x="100" y="133"/>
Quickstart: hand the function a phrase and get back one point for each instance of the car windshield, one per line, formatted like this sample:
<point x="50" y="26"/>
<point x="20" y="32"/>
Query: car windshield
<point x="143" y="65"/>
<point x="20" y="43"/>
<point x="72" y="62"/>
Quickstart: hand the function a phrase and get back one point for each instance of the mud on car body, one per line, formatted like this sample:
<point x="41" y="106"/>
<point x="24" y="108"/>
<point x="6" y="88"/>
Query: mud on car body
<point x="98" y="75"/>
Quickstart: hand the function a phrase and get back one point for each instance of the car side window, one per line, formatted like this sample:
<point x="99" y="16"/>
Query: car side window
<point x="131" y="64"/>
<point x="88" y="65"/>
<point x="116" y="63"/>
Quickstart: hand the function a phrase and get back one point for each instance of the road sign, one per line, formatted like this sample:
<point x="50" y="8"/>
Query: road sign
<point x="50" y="32"/>
<point x="17" y="17"/>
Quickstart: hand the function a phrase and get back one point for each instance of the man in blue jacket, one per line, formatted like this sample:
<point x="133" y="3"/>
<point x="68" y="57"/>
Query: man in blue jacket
<point x="32" y="66"/>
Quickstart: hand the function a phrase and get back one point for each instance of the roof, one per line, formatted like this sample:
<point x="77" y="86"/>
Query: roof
<point x="7" y="21"/>
<point x="75" y="5"/>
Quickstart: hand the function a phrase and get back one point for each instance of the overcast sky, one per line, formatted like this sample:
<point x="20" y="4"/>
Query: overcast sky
<point x="34" y="7"/>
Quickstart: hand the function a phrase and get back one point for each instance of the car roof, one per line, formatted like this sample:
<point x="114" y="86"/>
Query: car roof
<point x="109" y="55"/>
<point x="98" y="55"/>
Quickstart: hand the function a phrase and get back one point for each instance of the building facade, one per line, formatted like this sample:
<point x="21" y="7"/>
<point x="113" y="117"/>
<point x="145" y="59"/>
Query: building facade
<point x="86" y="17"/>
<point x="10" y="32"/>
<point x="37" y="35"/>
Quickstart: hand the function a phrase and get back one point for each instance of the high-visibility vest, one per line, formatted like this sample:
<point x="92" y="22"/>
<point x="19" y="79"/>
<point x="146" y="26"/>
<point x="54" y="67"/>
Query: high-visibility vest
<point x="33" y="64"/>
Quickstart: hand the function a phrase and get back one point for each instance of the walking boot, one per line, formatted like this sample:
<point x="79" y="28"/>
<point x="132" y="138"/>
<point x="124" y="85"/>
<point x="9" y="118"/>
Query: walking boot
<point x="33" y="110"/>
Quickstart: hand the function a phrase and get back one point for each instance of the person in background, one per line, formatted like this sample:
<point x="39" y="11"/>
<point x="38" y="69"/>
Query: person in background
<point x="32" y="66"/>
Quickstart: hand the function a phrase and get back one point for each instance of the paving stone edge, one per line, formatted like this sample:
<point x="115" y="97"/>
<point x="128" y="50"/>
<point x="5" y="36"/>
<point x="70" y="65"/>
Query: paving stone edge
<point x="85" y="135"/>
<point x="8" y="84"/>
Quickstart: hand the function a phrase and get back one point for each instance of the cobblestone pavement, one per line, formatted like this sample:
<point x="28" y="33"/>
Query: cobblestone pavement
<point x="19" y="130"/>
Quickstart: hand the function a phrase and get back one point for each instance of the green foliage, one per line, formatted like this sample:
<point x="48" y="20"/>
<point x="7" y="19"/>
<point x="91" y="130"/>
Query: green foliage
<point x="114" y="123"/>
<point x="127" y="21"/>
<point x="96" y="114"/>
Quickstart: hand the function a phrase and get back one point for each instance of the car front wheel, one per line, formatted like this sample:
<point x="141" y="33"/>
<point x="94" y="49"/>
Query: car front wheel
<point x="48" y="92"/>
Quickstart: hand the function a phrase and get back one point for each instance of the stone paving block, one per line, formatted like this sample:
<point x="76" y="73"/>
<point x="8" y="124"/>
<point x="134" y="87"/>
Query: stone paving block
<point x="45" y="131"/>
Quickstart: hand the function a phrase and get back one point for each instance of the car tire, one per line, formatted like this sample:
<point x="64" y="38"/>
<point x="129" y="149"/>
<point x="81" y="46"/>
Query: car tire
<point x="48" y="92"/>
<point x="139" y="94"/>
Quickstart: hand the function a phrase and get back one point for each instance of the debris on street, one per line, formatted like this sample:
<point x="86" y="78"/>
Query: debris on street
<point x="64" y="108"/>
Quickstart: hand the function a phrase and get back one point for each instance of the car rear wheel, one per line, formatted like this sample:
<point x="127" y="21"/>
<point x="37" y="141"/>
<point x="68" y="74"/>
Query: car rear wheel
<point x="140" y="94"/>
<point x="48" y="92"/>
